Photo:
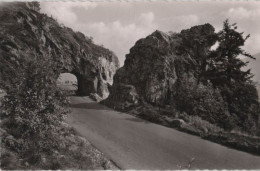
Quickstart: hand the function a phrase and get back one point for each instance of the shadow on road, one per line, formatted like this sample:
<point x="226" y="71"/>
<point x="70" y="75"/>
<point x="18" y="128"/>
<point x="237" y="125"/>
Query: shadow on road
<point x="90" y="105"/>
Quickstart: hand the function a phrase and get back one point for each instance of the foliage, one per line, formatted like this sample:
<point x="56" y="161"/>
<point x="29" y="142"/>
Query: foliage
<point x="222" y="92"/>
<point x="32" y="110"/>
<point x="77" y="153"/>
<point x="226" y="73"/>
<point x="203" y="101"/>
<point x="150" y="114"/>
<point x="9" y="161"/>
<point x="34" y="134"/>
<point x="225" y="64"/>
<point x="244" y="105"/>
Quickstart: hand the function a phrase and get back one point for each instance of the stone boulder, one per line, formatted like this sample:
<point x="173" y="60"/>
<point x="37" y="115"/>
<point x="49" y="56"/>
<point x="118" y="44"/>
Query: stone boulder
<point x="158" y="62"/>
<point x="123" y="96"/>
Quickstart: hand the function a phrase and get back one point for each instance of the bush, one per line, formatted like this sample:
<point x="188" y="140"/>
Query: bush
<point x="32" y="110"/>
<point x="9" y="161"/>
<point x="203" y="125"/>
<point x="227" y="107"/>
<point x="244" y="105"/>
<point x="150" y="114"/>
<point x="203" y="101"/>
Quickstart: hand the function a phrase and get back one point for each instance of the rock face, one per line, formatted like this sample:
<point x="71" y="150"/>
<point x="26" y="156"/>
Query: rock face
<point x="157" y="63"/>
<point x="26" y="33"/>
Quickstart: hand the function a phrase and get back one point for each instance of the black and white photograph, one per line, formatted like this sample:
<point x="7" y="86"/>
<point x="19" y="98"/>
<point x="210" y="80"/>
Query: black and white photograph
<point x="130" y="85"/>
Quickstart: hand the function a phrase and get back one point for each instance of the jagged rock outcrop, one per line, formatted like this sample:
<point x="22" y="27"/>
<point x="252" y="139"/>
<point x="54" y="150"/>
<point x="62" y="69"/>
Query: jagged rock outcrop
<point x="26" y="33"/>
<point x="157" y="63"/>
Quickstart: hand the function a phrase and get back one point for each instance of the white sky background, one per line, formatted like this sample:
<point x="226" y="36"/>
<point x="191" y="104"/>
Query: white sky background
<point x="118" y="25"/>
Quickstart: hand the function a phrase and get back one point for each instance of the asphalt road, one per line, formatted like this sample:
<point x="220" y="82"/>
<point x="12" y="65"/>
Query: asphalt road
<point x="133" y="143"/>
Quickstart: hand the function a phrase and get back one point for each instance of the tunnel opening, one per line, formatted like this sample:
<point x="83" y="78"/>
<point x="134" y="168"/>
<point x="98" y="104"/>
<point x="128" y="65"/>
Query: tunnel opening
<point x="68" y="82"/>
<point x="78" y="84"/>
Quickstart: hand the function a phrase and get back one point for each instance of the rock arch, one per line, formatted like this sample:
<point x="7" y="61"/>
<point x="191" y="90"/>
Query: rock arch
<point x="26" y="33"/>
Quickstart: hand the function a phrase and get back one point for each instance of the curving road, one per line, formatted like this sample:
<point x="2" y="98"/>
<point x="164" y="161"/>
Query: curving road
<point x="133" y="143"/>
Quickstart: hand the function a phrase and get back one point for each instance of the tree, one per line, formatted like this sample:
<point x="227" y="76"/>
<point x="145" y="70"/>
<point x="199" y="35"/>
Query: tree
<point x="225" y="64"/>
<point x="225" y="71"/>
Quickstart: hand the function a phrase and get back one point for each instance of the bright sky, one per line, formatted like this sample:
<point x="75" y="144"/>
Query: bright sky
<point x="118" y="25"/>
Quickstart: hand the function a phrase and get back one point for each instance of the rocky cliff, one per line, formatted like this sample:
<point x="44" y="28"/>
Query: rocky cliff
<point x="157" y="63"/>
<point x="25" y="33"/>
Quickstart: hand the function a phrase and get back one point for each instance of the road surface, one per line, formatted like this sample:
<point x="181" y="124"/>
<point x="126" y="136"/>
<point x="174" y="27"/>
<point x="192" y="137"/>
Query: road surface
<point x="133" y="143"/>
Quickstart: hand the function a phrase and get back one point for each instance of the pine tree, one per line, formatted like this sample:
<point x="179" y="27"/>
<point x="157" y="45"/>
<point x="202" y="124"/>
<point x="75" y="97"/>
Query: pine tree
<point x="226" y="73"/>
<point x="225" y="66"/>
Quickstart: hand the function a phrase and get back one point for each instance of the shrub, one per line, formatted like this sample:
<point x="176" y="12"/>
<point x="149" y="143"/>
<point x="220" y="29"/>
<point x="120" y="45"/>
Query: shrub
<point x="244" y="105"/>
<point x="9" y="161"/>
<point x="32" y="110"/>
<point x="150" y="114"/>
<point x="203" y="101"/>
<point x="203" y="125"/>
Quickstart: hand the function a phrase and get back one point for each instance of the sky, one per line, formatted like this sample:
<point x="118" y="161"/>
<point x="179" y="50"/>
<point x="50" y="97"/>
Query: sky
<point x="118" y="25"/>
